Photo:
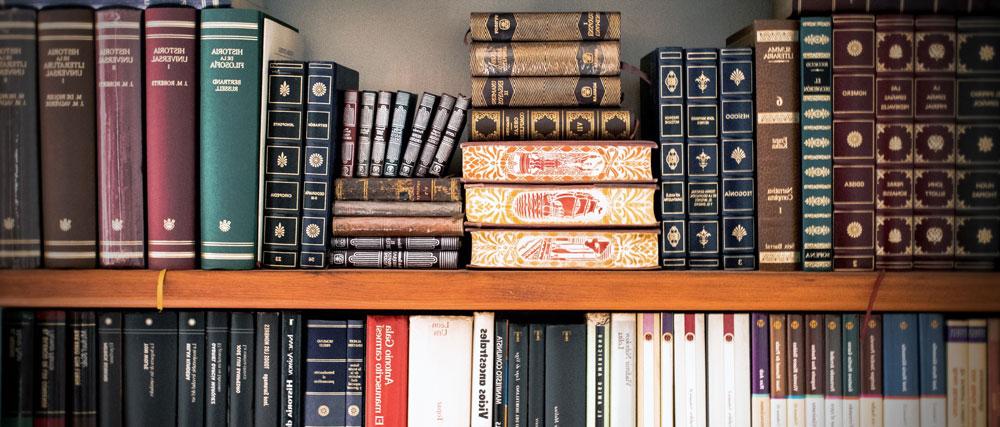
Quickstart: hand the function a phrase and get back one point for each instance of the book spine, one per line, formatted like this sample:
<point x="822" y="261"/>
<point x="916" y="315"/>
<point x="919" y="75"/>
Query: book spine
<point x="399" y="190"/>
<point x="241" y="368"/>
<point x="667" y="369"/>
<point x="602" y="389"/>
<point x="933" y="371"/>
<point x="482" y="371"/>
<point x="355" y="399"/>
<point x="538" y="162"/>
<point x="993" y="372"/>
<point x="406" y="259"/>
<point x="537" y="124"/>
<point x="439" y="345"/>
<point x="701" y="68"/>
<point x="536" y="376"/>
<point x="19" y="353"/>
<point x="366" y="120"/>
<point x="663" y="103"/>
<point x="380" y="133"/>
<point x="150" y="388"/>
<point x="415" y="140"/>
<point x="778" y="370"/>
<point x="171" y="70"/>
<point x="283" y="165"/>
<point x="230" y="46"/>
<point x="397" y="209"/>
<point x="121" y="218"/>
<point x="51" y="404"/>
<point x="977" y="372"/>
<point x="191" y="366"/>
<point x="957" y="356"/>
<point x="396" y="226"/>
<point x="623" y="369"/>
<point x="268" y="340"/>
<point x="66" y="83"/>
<point x="647" y="369"/>
<point x="760" y="370"/>
<point x="386" y="370"/>
<point x="777" y="102"/>
<point x="894" y="142"/>
<point x="544" y="59"/>
<point x="325" y="402"/>
<point x="815" y="38"/>
<point x="834" y="390"/>
<point x="738" y="199"/>
<point x="796" y="370"/>
<point x="853" y="142"/>
<point x="902" y="370"/>
<point x="291" y="370"/>
<point x="553" y="26"/>
<point x="934" y="143"/>
<point x="584" y="205"/>
<point x="517" y="362"/>
<point x="401" y="118"/>
<point x="20" y="236"/>
<point x="689" y="363"/>
<point x="83" y="389"/>
<point x="565" y="349"/>
<point x="349" y="134"/>
<point x="978" y="169"/>
<point x="435" y="133"/>
<point x="815" y="370"/>
<point x="500" y="346"/>
<point x="565" y="249"/>
<point x="452" y="132"/>
<point x="871" y="372"/>
<point x="851" y="369"/>
<point x="398" y="243"/>
<point x="216" y="368"/>
<point x="719" y="389"/>
<point x="494" y="92"/>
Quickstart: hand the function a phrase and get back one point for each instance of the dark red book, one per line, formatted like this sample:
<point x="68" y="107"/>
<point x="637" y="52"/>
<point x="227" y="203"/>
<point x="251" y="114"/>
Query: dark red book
<point x="171" y="136"/>
<point x="120" y="191"/>
<point x="894" y="142"/>
<point x="68" y="137"/>
<point x="934" y="143"/>
<point x="853" y="142"/>
<point x="386" y="370"/>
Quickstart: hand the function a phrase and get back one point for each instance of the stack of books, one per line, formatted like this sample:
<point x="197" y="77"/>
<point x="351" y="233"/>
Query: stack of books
<point x="397" y="223"/>
<point x="537" y="200"/>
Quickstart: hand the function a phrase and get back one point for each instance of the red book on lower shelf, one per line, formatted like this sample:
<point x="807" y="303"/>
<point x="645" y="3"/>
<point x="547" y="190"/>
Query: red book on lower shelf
<point x="386" y="370"/>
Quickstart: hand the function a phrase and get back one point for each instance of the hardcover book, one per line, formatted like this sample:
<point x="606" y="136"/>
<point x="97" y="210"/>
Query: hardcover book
<point x="171" y="70"/>
<point x="535" y="124"/>
<point x="902" y="370"/>
<point x="561" y="162"/>
<point x="565" y="360"/>
<point x="355" y="373"/>
<point x="399" y="189"/>
<point x="120" y="201"/>
<point x="402" y="117"/>
<point x="536" y="375"/>
<point x="241" y="368"/>
<point x="499" y="92"/>
<point x="850" y="370"/>
<point x="283" y="164"/>
<point x="325" y="401"/>
<point x="779" y="228"/>
<point x="66" y="86"/>
<point x="20" y="208"/>
<point x="51" y="405"/>
<point x="977" y="372"/>
<point x="598" y="372"/>
<point x="19" y="376"/>
<point x="833" y="360"/>
<point x="815" y="370"/>
<point x="386" y="370"/>
<point x="348" y="133"/>
<point x="408" y="259"/>
<point x="736" y="158"/>
<point x="191" y="363"/>
<point x="435" y="132"/>
<point x="415" y="139"/>
<point x="366" y="122"/>
<point x="690" y="406"/>
<point x="871" y="372"/>
<point x="396" y="226"/>
<point x="150" y="388"/>
<point x="957" y="371"/>
<point x="622" y="369"/>
<point x="993" y="371"/>
<point x="560" y="206"/>
<point x="482" y="370"/>
<point x="568" y="249"/>
<point x="216" y="368"/>
<point x="816" y="40"/>
<point x="501" y="345"/>
<point x="439" y="349"/>
<point x="647" y="369"/>
<point x="779" y="370"/>
<point x="380" y="133"/>
<point x="795" y="344"/>
<point x="591" y="58"/>
<point x="760" y="370"/>
<point x="517" y="373"/>
<point x="452" y="132"/>
<point x="729" y="377"/>
<point x="701" y="68"/>
<point x="267" y="369"/>
<point x="791" y="8"/>
<point x="398" y="243"/>
<point x="666" y="369"/>
<point x="547" y="26"/>
<point x="83" y="389"/>
<point x="397" y="209"/>
<point x="291" y="370"/>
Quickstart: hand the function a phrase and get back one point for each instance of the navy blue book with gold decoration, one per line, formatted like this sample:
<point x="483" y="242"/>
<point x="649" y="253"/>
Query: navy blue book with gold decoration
<point x="701" y="67"/>
<point x="737" y="159"/>
<point x="325" y="373"/>
<point x="355" y="373"/>
<point x="283" y="167"/>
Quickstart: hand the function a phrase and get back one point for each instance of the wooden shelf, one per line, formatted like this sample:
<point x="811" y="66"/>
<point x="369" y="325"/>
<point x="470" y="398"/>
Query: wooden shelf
<point x="464" y="290"/>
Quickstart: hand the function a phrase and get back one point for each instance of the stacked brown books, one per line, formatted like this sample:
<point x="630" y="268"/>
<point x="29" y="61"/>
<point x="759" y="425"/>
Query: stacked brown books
<point x="550" y="187"/>
<point x="396" y="223"/>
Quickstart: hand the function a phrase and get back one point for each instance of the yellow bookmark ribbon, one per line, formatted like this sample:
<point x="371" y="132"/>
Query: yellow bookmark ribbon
<point x="159" y="290"/>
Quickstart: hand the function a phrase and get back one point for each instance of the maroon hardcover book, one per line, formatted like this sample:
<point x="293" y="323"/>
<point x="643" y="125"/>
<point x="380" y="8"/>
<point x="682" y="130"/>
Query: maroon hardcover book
<point x="121" y="219"/>
<point x="171" y="136"/>
<point x="68" y="137"/>
<point x="934" y="143"/>
<point x="894" y="142"/>
<point x="853" y="142"/>
<point x="349" y="133"/>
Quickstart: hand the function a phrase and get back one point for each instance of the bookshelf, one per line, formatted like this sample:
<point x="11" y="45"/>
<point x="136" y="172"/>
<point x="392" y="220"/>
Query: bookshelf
<point x="464" y="290"/>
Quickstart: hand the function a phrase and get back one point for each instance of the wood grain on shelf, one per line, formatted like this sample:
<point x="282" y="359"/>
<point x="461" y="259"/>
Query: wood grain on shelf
<point x="503" y="290"/>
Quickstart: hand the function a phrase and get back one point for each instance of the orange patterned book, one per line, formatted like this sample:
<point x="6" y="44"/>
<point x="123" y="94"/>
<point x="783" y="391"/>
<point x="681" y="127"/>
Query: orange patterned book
<point x="559" y="162"/>
<point x="576" y="249"/>
<point x="622" y="205"/>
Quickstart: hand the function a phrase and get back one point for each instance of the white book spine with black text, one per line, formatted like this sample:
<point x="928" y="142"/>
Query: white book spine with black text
<point x="976" y="376"/>
<point x="482" y="370"/>
<point x="729" y="372"/>
<point x="440" y="367"/>
<point x="690" y="408"/>
<point x="648" y="349"/>
<point x="623" y="365"/>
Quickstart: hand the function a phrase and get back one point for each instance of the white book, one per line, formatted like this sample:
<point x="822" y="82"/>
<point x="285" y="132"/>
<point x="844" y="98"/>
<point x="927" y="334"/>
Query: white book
<point x="623" y="365"/>
<point x="957" y="357"/>
<point x="482" y="370"/>
<point x="648" y="379"/>
<point x="976" y="377"/>
<point x="729" y="375"/>
<point x="871" y="411"/>
<point x="439" y="371"/>
<point x="933" y="371"/>
<point x="598" y="325"/>
<point x="666" y="370"/>
<point x="690" y="408"/>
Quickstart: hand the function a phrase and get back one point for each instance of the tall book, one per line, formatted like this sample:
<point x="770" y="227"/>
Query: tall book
<point x="449" y="139"/>
<point x="934" y="143"/>
<point x="933" y="371"/>
<point x="667" y="368"/>
<point x="19" y="359"/>
<point x="150" y="385"/>
<point x="366" y="121"/>
<point x="110" y="387"/>
<point x="241" y="368"/>
<point x="20" y="208"/>
<point x="957" y="356"/>
<point x="871" y="372"/>
<point x="729" y="377"/>
<point x="536" y="375"/>
<point x="894" y="142"/>
<point x="977" y="222"/>
<point x="120" y="201"/>
<point x="853" y="142"/>
<point x="701" y="70"/>
<point x="283" y="164"/>
<point x="736" y="158"/>
<point x="647" y="369"/>
<point x="977" y="372"/>
<point x="216" y="368"/>
<point x="565" y="360"/>
<point x="993" y="372"/>
<point x="266" y="369"/>
<point x="833" y="393"/>
<point x="355" y="373"/>
<point x="622" y="370"/>
<point x="850" y="371"/>
<point x="380" y="133"/>
<point x="598" y="362"/>
<point x="901" y="338"/>
<point x="415" y="138"/>
<point x="517" y="373"/>
<point x="83" y="362"/>
<point x="690" y="406"/>
<point x="66" y="82"/>
<point x="501" y="327"/>
<point x="191" y="367"/>
<point x="171" y="70"/>
<point x="760" y="370"/>
<point x="795" y="346"/>
<point x="439" y="348"/>
<point x="663" y="104"/>
<point x="291" y="370"/>
<point x="481" y="414"/>
<point x="816" y="40"/>
<point x="348" y="133"/>
<point x="386" y="370"/>
<point x="442" y="113"/>
<point x="816" y="372"/>
<point x="779" y="370"/>
<point x="777" y="100"/>
<point x="402" y="116"/>
<point x="50" y="403"/>
<point x="325" y="109"/>
<point x="325" y="402"/>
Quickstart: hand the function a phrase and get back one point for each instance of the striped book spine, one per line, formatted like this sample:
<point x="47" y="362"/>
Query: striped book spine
<point x="701" y="67"/>
<point x="816" y="41"/>
<point x="737" y="159"/>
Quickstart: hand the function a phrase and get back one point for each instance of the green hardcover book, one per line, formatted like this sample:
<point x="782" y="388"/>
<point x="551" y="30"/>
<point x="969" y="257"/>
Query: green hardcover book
<point x="817" y="148"/>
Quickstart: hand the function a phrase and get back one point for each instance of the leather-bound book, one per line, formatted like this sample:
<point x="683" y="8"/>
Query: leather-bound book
<point x="66" y="81"/>
<point x="453" y="131"/>
<point x="407" y="259"/>
<point x="402" y="117"/>
<point x="83" y="360"/>
<point x="737" y="199"/>
<point x="598" y="205"/>
<point x="191" y="361"/>
<point x="380" y="133"/>
<point x="366" y="120"/>
<point x="343" y="226"/>
<point x="283" y="164"/>
<point x="399" y="189"/>
<point x="545" y="26"/>
<point x="894" y="142"/>
<point x="348" y="133"/>
<point x="816" y="36"/>
<point x="545" y="59"/>
<point x="415" y="138"/>
<point x="934" y="143"/>
<point x="494" y="92"/>
<point x="557" y="162"/>
<point x="20" y="207"/>
<point x="701" y="68"/>
<point x="853" y="142"/>
<point x="171" y="137"/>
<point x="528" y="124"/>
<point x="120" y="202"/>
<point x="110" y="387"/>
<point x="565" y="249"/>
<point x="435" y="133"/>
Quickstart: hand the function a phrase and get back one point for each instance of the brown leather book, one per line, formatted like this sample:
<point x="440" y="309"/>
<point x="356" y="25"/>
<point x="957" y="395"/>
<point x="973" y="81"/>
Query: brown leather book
<point x="424" y="209"/>
<point x="399" y="189"/>
<point x="396" y="226"/>
<point x="545" y="59"/>
<point x="68" y="137"/>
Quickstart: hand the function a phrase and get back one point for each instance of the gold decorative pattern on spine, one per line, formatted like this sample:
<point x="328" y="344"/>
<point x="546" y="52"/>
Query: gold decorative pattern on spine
<point x="546" y="91"/>
<point x="556" y="162"/>
<point x="545" y="59"/>
<point x="545" y="26"/>
<point x="564" y="249"/>
<point x="560" y="206"/>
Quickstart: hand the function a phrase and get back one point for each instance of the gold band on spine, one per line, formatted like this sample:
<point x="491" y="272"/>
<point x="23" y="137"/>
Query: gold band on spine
<point x="160" y="280"/>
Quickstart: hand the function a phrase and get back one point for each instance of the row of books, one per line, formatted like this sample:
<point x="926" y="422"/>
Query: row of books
<point x="493" y="369"/>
